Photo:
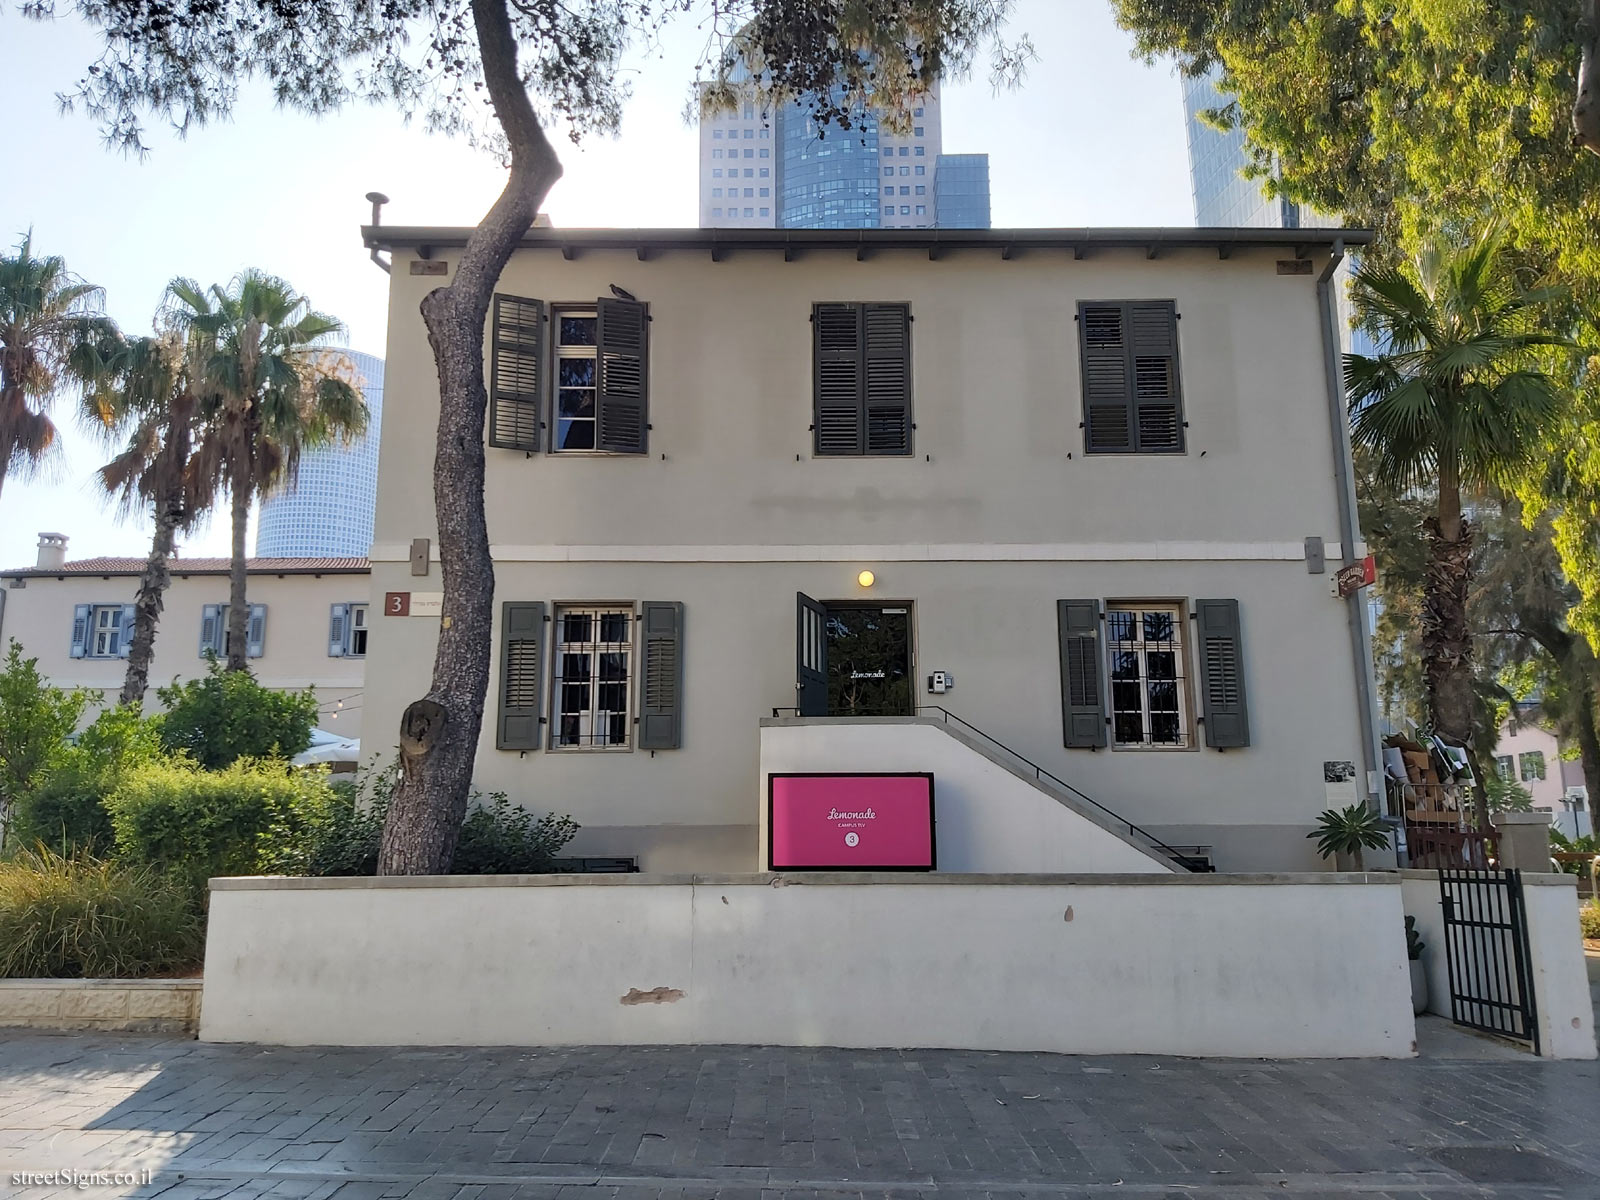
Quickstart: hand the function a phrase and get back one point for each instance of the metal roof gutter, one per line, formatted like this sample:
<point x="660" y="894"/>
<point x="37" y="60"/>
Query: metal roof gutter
<point x="1008" y="242"/>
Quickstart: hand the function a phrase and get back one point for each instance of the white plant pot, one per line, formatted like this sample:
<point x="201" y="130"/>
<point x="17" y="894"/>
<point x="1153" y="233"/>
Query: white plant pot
<point x="1419" y="987"/>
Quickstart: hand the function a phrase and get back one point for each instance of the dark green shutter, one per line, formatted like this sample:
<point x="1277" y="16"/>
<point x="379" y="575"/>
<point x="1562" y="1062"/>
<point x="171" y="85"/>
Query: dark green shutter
<point x="622" y="348"/>
<point x="837" y="417"/>
<point x="516" y="372"/>
<point x="661" y="689"/>
<point x="1222" y="691"/>
<point x="521" y="662"/>
<point x="1083" y="713"/>
<point x="1132" y="395"/>
<point x="887" y="371"/>
<point x="1107" y="400"/>
<point x="1157" y="407"/>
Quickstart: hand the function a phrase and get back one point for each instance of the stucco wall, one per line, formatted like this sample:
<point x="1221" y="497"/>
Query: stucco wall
<point x="986" y="818"/>
<point x="1232" y="966"/>
<point x="992" y="625"/>
<point x="1560" y="978"/>
<point x="295" y="654"/>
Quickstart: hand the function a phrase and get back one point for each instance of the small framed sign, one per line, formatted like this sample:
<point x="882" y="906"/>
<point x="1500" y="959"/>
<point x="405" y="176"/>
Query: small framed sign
<point x="850" y="822"/>
<point x="397" y="604"/>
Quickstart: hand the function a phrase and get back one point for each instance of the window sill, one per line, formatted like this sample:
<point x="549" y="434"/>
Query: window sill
<point x="1130" y="749"/>
<point x="591" y="750"/>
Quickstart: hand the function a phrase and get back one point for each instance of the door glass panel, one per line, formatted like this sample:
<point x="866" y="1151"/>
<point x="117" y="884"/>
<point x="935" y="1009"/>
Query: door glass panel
<point x="869" y="662"/>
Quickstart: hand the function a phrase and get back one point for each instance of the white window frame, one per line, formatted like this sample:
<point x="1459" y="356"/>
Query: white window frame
<point x="355" y="618"/>
<point x="1536" y="760"/>
<point x="558" y="351"/>
<point x="589" y="712"/>
<point x="1180" y="649"/>
<point x="112" y="632"/>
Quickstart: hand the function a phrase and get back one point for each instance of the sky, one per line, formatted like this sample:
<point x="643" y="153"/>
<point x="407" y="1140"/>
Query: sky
<point x="1092" y="137"/>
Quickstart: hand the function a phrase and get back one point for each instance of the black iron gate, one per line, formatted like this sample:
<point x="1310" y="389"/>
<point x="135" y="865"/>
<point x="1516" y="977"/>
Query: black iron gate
<point x="1486" y="953"/>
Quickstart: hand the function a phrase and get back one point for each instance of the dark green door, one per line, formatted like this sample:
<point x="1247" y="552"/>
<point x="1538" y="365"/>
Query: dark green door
<point x="869" y="661"/>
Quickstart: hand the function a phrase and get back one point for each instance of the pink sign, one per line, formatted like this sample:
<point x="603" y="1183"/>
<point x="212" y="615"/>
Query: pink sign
<point x="850" y="822"/>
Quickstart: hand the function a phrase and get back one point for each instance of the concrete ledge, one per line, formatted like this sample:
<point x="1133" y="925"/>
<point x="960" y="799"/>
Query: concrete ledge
<point x="1529" y="878"/>
<point x="107" y="1005"/>
<point x="295" y="883"/>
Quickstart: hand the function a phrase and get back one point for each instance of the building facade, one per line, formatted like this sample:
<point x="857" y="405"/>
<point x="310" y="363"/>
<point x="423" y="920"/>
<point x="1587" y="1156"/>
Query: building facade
<point x="308" y="624"/>
<point x="1531" y="755"/>
<point x="327" y="511"/>
<point x="781" y="170"/>
<point x="1059" y="484"/>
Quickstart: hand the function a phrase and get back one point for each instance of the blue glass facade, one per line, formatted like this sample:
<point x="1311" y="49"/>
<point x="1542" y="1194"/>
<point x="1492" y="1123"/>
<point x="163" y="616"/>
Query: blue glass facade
<point x="961" y="191"/>
<point x="328" y="512"/>
<point x="1222" y="197"/>
<point x="828" y="181"/>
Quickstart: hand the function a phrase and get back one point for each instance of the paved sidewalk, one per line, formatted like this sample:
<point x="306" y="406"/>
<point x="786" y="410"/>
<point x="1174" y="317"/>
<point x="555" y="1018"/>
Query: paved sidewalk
<point x="733" y="1123"/>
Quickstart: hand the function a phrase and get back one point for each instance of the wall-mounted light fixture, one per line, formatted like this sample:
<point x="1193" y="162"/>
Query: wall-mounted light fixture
<point x="866" y="579"/>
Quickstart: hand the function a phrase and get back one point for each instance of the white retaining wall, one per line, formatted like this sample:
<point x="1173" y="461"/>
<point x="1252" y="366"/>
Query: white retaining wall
<point x="1562" y="1002"/>
<point x="1281" y="966"/>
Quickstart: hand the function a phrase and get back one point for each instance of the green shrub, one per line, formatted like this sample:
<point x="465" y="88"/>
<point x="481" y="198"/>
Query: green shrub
<point x="253" y="817"/>
<point x="1589" y="920"/>
<point x="79" y="917"/>
<point x="67" y="810"/>
<point x="35" y="720"/>
<point x="497" y="837"/>
<point x="227" y="715"/>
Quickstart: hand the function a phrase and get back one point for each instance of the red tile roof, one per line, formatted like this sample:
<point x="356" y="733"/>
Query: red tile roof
<point x="200" y="566"/>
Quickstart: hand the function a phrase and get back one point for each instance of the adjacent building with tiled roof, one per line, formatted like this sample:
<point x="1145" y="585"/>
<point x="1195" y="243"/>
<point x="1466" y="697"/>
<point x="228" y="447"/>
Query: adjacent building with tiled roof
<point x="308" y="623"/>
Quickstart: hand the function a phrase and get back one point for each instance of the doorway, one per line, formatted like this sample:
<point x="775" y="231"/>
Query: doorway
<point x="854" y="659"/>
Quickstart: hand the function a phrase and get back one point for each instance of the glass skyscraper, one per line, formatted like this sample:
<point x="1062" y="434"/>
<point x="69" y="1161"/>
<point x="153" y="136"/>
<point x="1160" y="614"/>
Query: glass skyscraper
<point x="778" y="170"/>
<point x="327" y="513"/>
<point x="962" y="191"/>
<point x="1223" y="197"/>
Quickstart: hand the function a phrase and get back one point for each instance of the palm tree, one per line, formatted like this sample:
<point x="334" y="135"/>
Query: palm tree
<point x="151" y="395"/>
<point x="276" y="390"/>
<point x="50" y="331"/>
<point x="1454" y="404"/>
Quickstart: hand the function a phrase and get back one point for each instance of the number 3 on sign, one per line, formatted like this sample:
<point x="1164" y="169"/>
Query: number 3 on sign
<point x="397" y="604"/>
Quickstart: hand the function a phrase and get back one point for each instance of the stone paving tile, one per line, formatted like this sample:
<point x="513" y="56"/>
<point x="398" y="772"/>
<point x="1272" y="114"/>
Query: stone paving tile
<point x="734" y="1123"/>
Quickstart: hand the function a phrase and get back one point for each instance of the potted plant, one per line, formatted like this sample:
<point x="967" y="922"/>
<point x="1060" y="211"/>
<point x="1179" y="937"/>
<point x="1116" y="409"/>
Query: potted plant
<point x="1419" y="976"/>
<point x="1342" y="833"/>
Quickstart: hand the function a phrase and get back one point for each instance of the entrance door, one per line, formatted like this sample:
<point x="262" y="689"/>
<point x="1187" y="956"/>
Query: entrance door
<point x="810" y="657"/>
<point x="868" y="661"/>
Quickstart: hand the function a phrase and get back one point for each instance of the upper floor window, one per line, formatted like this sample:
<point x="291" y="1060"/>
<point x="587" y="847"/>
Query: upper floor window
<point x="216" y="637"/>
<point x="1504" y="768"/>
<point x="1132" y="399"/>
<point x="862" y="369"/>
<point x="917" y="131"/>
<point x="1530" y="765"/>
<point x="101" y="630"/>
<point x="600" y="389"/>
<point x="922" y="152"/>
<point x="347" y="631"/>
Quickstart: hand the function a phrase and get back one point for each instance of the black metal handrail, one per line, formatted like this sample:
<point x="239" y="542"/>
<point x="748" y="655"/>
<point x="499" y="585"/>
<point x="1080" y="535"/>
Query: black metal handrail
<point x="1039" y="773"/>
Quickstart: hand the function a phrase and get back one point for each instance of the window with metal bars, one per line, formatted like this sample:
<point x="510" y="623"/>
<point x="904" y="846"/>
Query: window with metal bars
<point x="1145" y="659"/>
<point x="592" y="675"/>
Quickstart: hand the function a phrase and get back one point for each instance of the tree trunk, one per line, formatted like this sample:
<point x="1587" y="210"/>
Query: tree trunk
<point x="238" y="605"/>
<point x="439" y="733"/>
<point x="1586" y="108"/>
<point x="1446" y="639"/>
<point x="1589" y="752"/>
<point x="148" y="604"/>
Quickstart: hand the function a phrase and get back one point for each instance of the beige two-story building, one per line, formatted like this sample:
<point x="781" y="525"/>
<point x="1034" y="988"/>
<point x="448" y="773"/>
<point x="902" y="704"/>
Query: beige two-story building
<point x="308" y="624"/>
<point x="1084" y="489"/>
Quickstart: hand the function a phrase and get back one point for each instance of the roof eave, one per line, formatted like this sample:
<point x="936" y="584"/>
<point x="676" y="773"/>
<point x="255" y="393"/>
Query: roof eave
<point x="1008" y="241"/>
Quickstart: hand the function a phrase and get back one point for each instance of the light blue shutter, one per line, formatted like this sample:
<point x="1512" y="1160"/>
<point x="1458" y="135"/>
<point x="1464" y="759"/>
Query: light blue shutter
<point x="338" y="630"/>
<point x="256" y="636"/>
<point x="210" y="629"/>
<point x="130" y="614"/>
<point x="80" y="630"/>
